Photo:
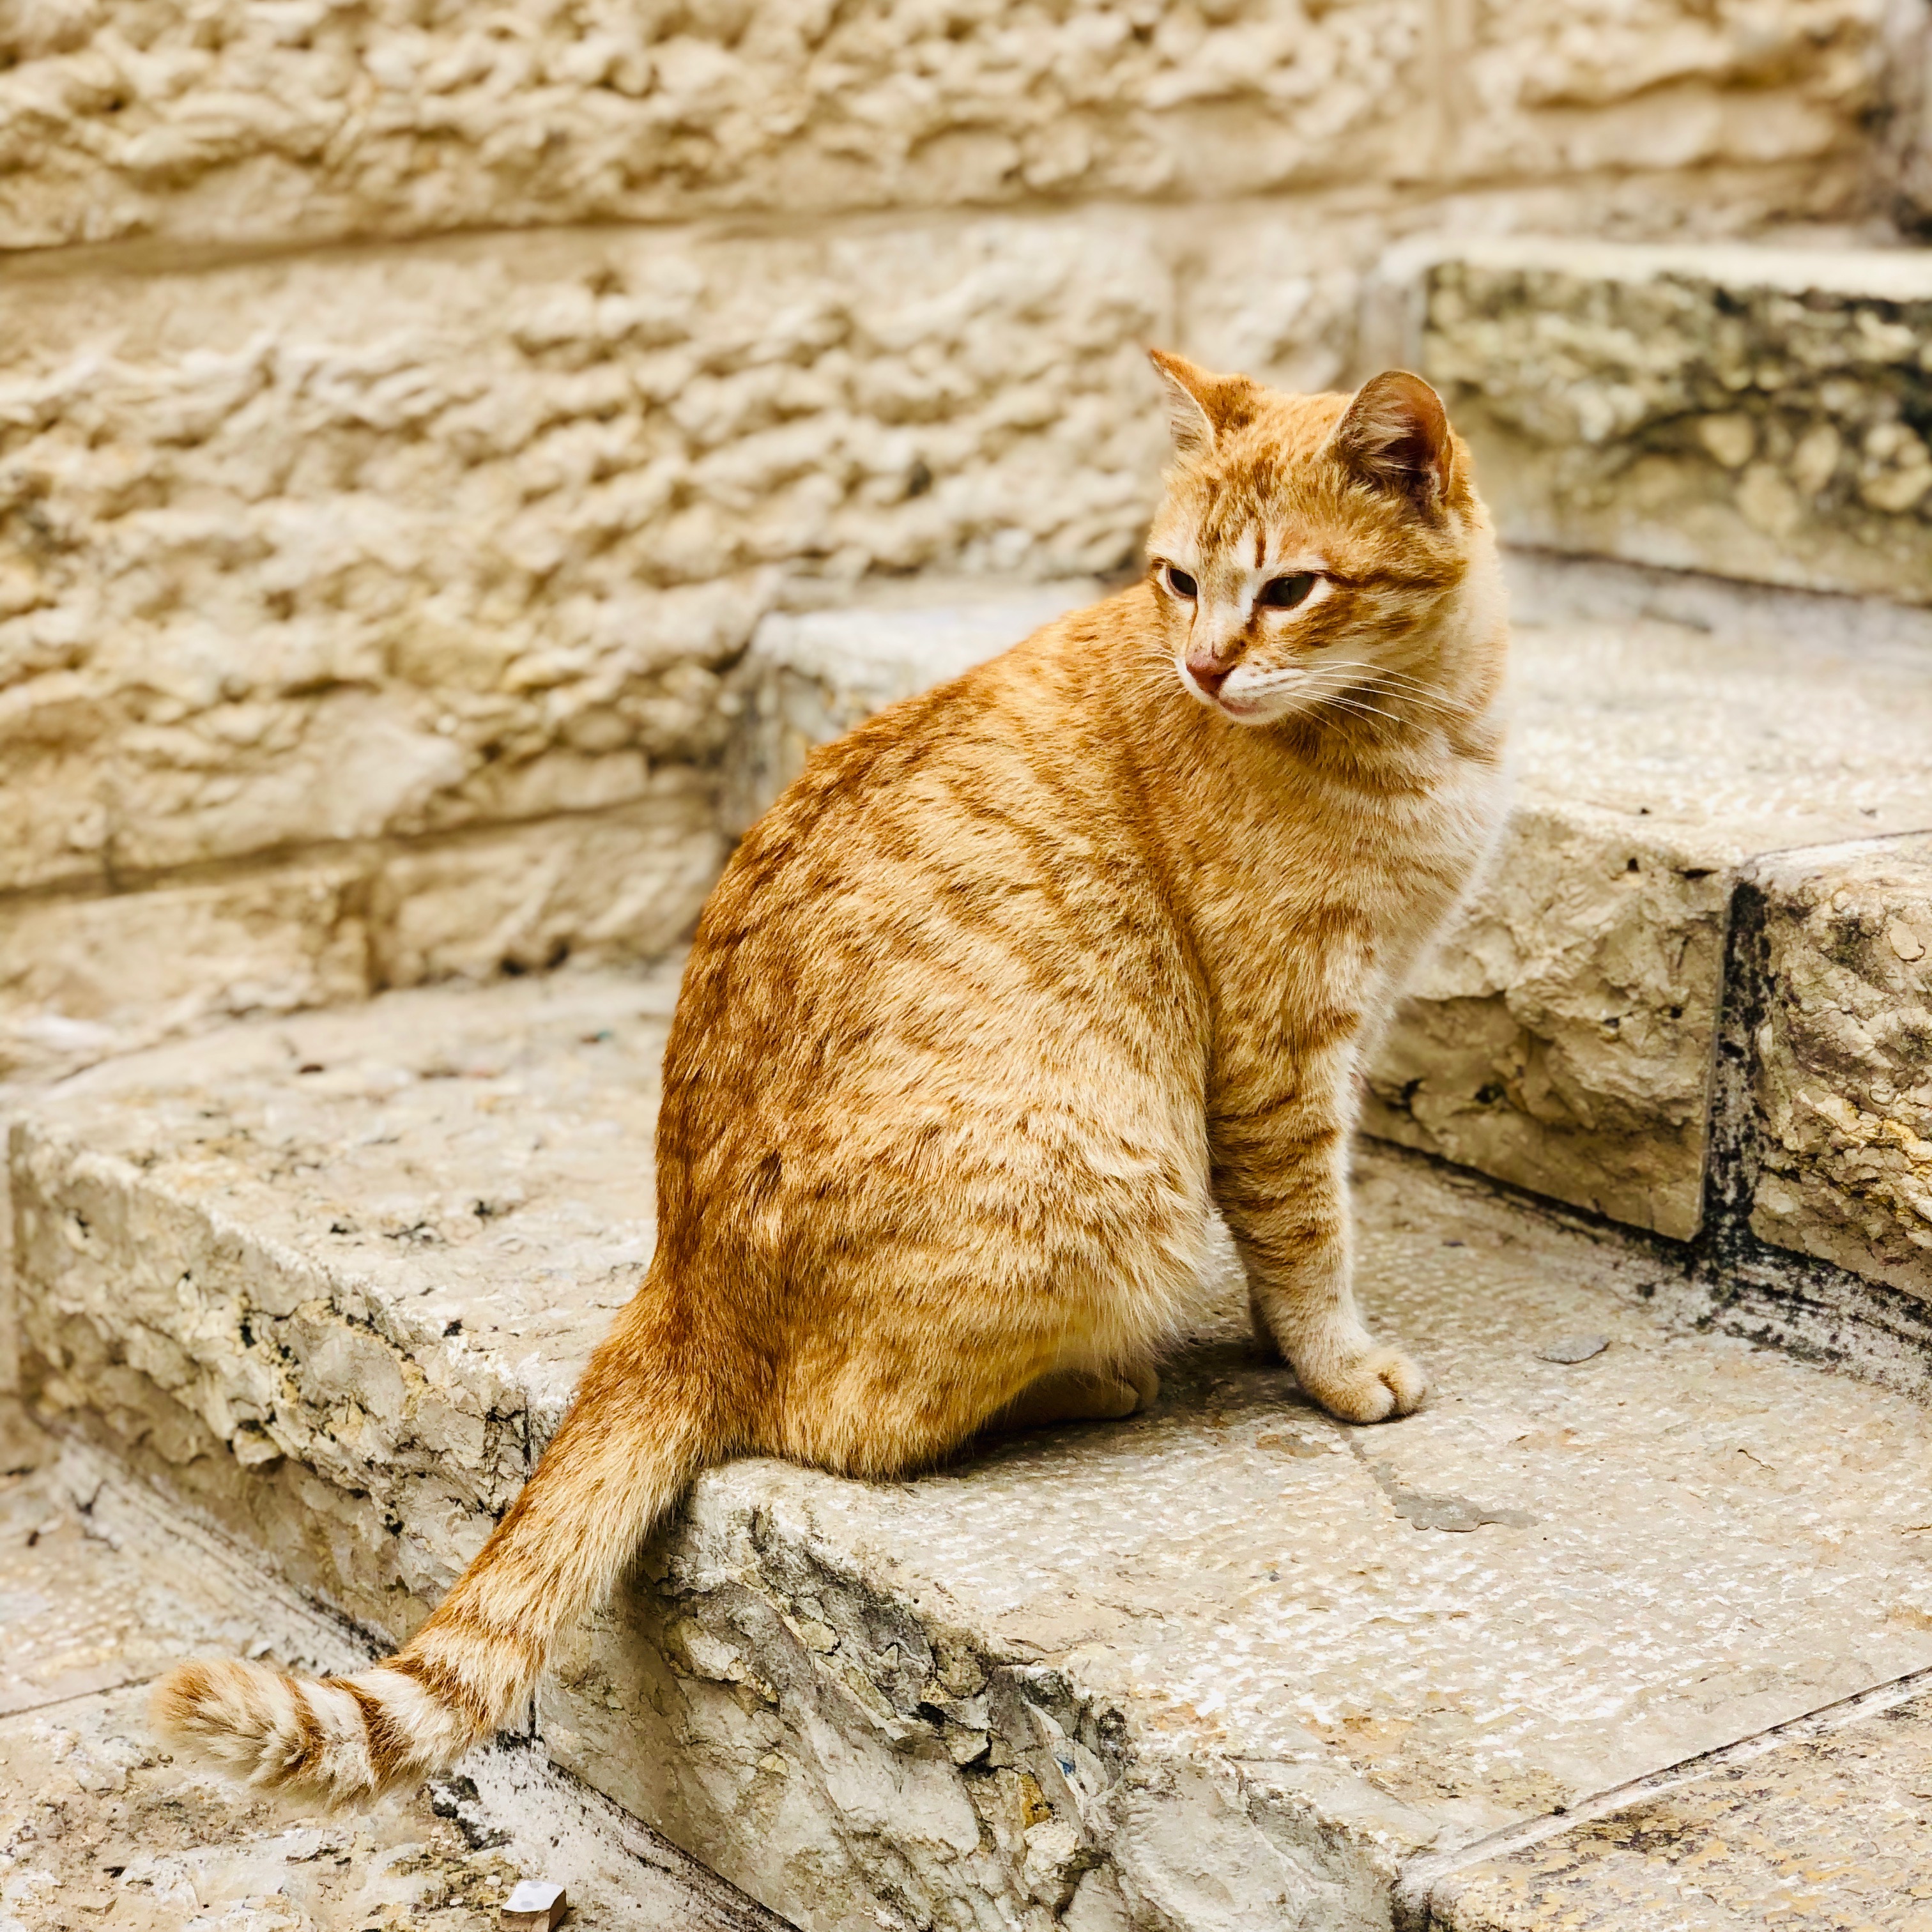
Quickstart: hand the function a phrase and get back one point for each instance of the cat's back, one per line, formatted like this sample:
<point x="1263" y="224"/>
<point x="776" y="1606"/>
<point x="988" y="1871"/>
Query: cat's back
<point x="981" y="835"/>
<point x="998" y="772"/>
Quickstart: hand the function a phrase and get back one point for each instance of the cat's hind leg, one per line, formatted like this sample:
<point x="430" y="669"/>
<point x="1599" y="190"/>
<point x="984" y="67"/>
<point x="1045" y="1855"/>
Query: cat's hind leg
<point x="1076" y="1395"/>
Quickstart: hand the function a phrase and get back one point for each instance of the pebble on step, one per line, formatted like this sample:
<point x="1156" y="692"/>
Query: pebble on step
<point x="534" y="1906"/>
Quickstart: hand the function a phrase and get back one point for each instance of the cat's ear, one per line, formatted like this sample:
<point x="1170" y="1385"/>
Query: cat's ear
<point x="1200" y="405"/>
<point x="1395" y="437"/>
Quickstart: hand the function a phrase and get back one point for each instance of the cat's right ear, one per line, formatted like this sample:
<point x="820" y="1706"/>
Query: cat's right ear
<point x="1200" y="405"/>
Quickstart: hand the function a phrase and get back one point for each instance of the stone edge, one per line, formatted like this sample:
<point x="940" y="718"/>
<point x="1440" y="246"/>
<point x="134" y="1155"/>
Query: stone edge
<point x="1416" y="1901"/>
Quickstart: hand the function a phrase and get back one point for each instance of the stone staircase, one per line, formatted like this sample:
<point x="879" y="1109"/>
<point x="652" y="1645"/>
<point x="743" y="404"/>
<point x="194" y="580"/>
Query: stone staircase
<point x="1632" y="1625"/>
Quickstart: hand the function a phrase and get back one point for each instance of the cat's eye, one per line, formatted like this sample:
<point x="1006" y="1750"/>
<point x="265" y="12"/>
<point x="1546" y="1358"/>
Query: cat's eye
<point x="1284" y="593"/>
<point x="1180" y="583"/>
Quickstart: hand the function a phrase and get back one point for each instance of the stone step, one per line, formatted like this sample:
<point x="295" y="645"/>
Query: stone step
<point x="1673" y="739"/>
<point x="326" y="1279"/>
<point x="1752" y="411"/>
<point x="1820" y="1824"/>
<point x="104" y="1589"/>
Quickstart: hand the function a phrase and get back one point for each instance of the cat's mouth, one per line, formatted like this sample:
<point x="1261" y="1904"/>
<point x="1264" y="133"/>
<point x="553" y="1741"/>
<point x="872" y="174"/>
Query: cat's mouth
<point x="1244" y="707"/>
<point x="1248" y="707"/>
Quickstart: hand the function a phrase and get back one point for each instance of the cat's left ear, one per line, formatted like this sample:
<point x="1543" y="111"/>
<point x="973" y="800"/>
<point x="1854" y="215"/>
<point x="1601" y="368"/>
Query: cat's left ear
<point x="1201" y="406"/>
<point x="1396" y="437"/>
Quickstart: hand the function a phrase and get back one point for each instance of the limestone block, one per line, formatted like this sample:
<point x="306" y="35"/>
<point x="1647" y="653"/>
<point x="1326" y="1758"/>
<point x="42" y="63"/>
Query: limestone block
<point x="239" y="126"/>
<point x="82" y="978"/>
<point x="311" y="550"/>
<point x="622" y="884"/>
<point x="192" y="1343"/>
<point x="1842" y="1068"/>
<point x="1810" y="1830"/>
<point x="1751" y="412"/>
<point x="1560" y="1037"/>
<point x="106" y="1587"/>
<point x="79" y="977"/>
<point x="311" y="1364"/>
<point x="1566" y="86"/>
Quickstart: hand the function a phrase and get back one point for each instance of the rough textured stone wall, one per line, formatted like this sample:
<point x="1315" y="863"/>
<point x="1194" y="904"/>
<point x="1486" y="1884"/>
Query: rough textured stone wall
<point x="309" y="120"/>
<point x="336" y="576"/>
<point x="366" y="586"/>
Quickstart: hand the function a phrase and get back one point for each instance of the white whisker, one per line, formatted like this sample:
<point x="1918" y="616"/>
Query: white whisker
<point x="1347" y="703"/>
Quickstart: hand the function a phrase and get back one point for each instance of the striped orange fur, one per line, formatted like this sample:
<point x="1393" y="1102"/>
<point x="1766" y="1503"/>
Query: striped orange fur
<point x="1017" y="984"/>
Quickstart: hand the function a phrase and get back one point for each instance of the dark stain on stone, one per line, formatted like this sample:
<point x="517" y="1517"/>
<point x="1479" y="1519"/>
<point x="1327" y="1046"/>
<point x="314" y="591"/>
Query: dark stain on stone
<point x="1456" y="1513"/>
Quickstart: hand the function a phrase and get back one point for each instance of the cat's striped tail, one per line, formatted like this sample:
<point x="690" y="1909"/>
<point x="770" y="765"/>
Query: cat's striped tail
<point x="630" y="1444"/>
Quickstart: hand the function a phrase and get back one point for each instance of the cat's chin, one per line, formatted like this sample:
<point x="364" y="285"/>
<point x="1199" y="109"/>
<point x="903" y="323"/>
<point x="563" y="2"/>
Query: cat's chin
<point x="1241" y="710"/>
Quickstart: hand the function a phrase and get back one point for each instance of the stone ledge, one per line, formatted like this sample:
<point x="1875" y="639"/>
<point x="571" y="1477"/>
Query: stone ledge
<point x="1226" y="1665"/>
<point x="104" y="1591"/>
<point x="1818" y="1824"/>
<point x="82" y="978"/>
<point x="1748" y="411"/>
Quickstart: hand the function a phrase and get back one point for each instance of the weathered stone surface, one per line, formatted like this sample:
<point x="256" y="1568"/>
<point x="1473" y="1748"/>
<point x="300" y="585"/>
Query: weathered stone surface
<point x="624" y="884"/>
<point x="239" y="127"/>
<point x="94" y="1819"/>
<point x="313" y="550"/>
<point x="1215" y="1666"/>
<point x="1754" y="411"/>
<point x="1551" y="85"/>
<point x="83" y="978"/>
<point x="332" y="1337"/>
<point x="1829" y="1828"/>
<point x="1842" y="1074"/>
<point x="312" y="556"/>
<point x="1561" y="1037"/>
<point x="104" y="1589"/>
<point x="80" y="977"/>
<point x="303" y="553"/>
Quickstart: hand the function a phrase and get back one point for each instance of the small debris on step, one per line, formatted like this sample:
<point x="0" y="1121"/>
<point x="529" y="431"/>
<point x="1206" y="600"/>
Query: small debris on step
<point x="1574" y="1348"/>
<point x="533" y="1907"/>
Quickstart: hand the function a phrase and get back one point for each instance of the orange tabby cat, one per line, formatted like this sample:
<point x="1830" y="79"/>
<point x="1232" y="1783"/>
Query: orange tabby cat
<point x="1013" y="989"/>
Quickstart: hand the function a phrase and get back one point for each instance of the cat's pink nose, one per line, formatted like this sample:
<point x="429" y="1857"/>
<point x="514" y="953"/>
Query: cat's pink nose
<point x="1208" y="673"/>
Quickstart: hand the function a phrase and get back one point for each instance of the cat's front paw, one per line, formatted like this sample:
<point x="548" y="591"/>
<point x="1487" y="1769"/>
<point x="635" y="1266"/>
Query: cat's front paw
<point x="1374" y="1384"/>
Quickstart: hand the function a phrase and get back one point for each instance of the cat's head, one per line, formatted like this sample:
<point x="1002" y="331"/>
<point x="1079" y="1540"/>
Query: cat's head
<point x="1307" y="545"/>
